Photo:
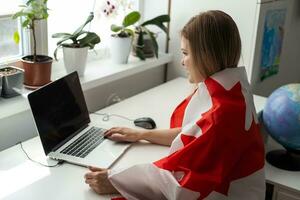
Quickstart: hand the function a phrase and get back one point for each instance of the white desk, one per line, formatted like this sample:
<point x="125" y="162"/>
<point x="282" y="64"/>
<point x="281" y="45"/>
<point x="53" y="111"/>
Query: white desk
<point x="22" y="179"/>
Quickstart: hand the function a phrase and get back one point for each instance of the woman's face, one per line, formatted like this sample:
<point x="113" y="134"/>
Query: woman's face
<point x="187" y="62"/>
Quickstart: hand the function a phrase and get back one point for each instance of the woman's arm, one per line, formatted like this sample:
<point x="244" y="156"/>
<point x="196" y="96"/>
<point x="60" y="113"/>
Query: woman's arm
<point x="159" y="136"/>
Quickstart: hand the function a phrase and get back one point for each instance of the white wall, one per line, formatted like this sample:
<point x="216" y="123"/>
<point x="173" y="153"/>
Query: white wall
<point x="182" y="11"/>
<point x="97" y="98"/>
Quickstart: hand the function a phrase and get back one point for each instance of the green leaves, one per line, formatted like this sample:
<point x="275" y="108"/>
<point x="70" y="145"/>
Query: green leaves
<point x="88" y="20"/>
<point x="65" y="38"/>
<point x="59" y="35"/>
<point x="16" y="37"/>
<point x="33" y="10"/>
<point x="19" y="14"/>
<point x="26" y="23"/>
<point x="158" y="21"/>
<point x="131" y="18"/>
<point x="90" y="39"/>
<point x="115" y="28"/>
<point x="55" y="53"/>
<point x="140" y="54"/>
<point x="128" y="20"/>
<point x="154" y="42"/>
<point x="29" y="2"/>
<point x="129" y="31"/>
<point x="79" y="38"/>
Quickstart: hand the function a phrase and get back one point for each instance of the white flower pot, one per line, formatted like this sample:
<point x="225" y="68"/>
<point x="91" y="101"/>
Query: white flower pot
<point x="75" y="59"/>
<point x="120" y="49"/>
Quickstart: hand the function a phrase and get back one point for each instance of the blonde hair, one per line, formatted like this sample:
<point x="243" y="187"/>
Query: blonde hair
<point x="214" y="41"/>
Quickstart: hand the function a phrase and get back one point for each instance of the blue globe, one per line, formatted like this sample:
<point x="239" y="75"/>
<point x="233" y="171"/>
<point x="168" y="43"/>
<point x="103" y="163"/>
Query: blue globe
<point x="281" y="116"/>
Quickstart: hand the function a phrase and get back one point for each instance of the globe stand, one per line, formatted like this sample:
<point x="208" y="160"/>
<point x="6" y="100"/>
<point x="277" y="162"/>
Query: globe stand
<point x="284" y="160"/>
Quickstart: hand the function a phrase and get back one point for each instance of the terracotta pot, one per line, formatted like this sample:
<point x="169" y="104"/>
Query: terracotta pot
<point x="37" y="73"/>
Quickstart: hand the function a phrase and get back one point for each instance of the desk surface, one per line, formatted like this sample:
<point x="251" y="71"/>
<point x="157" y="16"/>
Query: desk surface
<point x="22" y="179"/>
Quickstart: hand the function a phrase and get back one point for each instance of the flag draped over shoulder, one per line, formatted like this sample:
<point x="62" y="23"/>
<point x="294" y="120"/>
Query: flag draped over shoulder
<point x="219" y="153"/>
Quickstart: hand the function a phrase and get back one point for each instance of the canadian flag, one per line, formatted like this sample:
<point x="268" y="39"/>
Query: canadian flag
<point x="219" y="153"/>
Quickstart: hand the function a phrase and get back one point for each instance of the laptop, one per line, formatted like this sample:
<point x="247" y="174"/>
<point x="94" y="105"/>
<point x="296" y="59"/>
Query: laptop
<point x="64" y="126"/>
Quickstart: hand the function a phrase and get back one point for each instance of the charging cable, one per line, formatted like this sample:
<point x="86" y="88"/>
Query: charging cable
<point x="106" y="117"/>
<point x="42" y="164"/>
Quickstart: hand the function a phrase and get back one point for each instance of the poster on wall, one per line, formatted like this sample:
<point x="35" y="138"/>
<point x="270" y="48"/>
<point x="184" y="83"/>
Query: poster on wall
<point x="272" y="42"/>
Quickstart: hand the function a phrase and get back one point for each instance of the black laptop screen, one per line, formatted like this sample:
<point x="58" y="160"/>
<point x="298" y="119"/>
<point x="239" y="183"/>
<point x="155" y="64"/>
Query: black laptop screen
<point x="59" y="110"/>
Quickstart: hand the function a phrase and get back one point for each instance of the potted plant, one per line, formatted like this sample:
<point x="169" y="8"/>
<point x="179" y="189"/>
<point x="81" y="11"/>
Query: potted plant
<point x="145" y="44"/>
<point x="75" y="47"/>
<point x="122" y="39"/>
<point x="11" y="80"/>
<point x="37" y="67"/>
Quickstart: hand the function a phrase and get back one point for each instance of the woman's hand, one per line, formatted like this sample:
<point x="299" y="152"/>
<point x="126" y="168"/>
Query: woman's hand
<point x="97" y="179"/>
<point x="121" y="134"/>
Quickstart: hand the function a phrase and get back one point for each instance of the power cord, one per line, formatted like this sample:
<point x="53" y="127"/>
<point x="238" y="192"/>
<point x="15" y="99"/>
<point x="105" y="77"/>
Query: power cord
<point x="106" y="116"/>
<point x="42" y="164"/>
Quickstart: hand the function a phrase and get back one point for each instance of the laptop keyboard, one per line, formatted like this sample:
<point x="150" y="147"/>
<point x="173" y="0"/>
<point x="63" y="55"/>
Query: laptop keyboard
<point x="83" y="145"/>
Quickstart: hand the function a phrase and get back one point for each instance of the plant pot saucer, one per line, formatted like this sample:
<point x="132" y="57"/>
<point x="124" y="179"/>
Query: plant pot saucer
<point x="34" y="87"/>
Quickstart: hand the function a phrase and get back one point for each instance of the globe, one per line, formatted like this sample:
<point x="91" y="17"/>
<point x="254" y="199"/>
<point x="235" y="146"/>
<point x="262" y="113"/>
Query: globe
<point x="281" y="119"/>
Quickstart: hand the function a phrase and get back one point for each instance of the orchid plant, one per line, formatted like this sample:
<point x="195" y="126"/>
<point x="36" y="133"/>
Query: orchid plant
<point x="124" y="30"/>
<point x="78" y="39"/>
<point x="142" y="30"/>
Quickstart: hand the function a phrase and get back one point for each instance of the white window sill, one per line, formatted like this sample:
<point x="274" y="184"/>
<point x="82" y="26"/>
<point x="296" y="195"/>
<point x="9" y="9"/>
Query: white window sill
<point x="98" y="72"/>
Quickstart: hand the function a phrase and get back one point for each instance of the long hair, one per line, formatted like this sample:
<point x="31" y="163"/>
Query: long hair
<point x="214" y="40"/>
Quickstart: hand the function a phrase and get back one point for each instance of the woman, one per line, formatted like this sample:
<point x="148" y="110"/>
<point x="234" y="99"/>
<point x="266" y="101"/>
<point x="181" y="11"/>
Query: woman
<point x="216" y="149"/>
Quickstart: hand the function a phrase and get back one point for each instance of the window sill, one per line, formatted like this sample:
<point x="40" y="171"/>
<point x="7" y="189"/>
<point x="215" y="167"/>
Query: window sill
<point x="98" y="72"/>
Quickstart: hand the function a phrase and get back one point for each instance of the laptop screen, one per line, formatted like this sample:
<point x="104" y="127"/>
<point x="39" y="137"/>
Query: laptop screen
<point x="59" y="110"/>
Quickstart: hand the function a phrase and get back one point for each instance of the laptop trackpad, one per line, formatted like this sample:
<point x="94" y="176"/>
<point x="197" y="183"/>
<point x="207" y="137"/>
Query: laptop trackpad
<point x="106" y="153"/>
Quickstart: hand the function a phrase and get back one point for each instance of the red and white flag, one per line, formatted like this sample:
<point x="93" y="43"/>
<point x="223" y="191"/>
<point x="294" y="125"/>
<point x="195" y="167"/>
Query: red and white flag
<point x="219" y="153"/>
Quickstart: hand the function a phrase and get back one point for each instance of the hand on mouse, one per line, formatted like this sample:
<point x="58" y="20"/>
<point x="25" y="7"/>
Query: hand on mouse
<point x="122" y="134"/>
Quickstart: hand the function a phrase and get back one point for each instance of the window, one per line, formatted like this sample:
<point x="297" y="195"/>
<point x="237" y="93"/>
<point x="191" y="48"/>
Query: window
<point x="8" y="48"/>
<point x="67" y="16"/>
<point x="64" y="16"/>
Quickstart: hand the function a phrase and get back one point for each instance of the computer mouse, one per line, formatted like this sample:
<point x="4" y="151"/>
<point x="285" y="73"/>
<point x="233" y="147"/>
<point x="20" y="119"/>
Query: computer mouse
<point x="145" y="122"/>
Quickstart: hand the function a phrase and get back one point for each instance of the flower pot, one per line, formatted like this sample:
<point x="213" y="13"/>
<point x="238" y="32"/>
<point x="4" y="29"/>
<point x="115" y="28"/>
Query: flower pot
<point x="75" y="59"/>
<point x="37" y="74"/>
<point x="147" y="48"/>
<point x="120" y="49"/>
<point x="11" y="81"/>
